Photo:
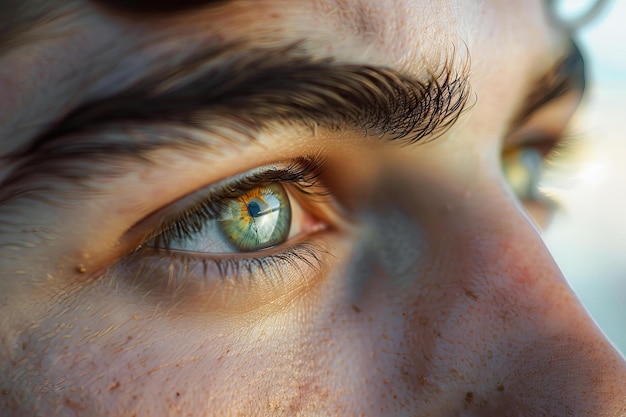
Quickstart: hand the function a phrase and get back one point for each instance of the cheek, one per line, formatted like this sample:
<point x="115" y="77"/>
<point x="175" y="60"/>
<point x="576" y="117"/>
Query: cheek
<point x="108" y="356"/>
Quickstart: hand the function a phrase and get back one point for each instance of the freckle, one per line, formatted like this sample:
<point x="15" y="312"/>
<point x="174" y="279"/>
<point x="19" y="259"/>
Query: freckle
<point x="24" y="346"/>
<point x="470" y="294"/>
<point x="423" y="321"/>
<point x="356" y="308"/>
<point x="177" y="394"/>
<point x="469" y="399"/>
<point x="500" y="387"/>
<point x="385" y="381"/>
<point x="422" y="380"/>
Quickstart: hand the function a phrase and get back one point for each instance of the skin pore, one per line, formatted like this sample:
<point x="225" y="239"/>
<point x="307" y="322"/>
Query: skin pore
<point x="413" y="280"/>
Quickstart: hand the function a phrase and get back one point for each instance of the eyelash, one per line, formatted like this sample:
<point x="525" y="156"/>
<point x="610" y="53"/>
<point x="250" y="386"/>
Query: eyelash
<point x="302" y="175"/>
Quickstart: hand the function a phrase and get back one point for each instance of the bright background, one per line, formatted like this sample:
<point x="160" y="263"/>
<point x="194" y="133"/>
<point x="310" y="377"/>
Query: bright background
<point x="588" y="239"/>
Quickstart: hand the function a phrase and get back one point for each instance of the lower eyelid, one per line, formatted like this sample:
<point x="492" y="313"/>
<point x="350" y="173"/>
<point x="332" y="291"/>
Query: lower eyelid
<point x="225" y="283"/>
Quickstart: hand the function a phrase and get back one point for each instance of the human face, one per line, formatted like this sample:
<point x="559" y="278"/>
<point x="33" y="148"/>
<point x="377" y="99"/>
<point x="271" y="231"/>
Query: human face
<point x="406" y="279"/>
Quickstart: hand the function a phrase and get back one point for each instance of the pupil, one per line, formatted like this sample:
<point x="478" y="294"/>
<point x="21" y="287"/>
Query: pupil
<point x="254" y="209"/>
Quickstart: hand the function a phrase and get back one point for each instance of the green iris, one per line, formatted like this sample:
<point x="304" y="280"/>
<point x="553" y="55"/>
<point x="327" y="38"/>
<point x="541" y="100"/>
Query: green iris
<point x="258" y="219"/>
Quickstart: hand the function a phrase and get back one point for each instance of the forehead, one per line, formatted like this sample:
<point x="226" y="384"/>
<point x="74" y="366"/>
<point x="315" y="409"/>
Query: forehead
<point x="393" y="32"/>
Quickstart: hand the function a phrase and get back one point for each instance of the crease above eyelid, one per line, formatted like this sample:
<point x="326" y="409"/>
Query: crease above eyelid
<point x="88" y="158"/>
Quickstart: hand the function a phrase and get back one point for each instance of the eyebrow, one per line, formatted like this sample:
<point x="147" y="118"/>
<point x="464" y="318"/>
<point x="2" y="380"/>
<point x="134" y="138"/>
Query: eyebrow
<point x="566" y="76"/>
<point x="155" y="7"/>
<point x="256" y="88"/>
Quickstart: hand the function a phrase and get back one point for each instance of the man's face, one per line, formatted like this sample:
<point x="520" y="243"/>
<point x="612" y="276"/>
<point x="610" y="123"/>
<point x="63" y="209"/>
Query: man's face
<point x="288" y="208"/>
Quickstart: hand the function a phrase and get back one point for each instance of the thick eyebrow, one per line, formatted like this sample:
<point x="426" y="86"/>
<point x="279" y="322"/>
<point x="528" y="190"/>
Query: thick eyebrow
<point x="566" y="76"/>
<point x="252" y="89"/>
<point x="152" y="7"/>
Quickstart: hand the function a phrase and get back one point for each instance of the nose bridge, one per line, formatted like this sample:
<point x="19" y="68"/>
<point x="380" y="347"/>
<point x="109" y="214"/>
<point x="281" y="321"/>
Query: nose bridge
<point x="544" y="343"/>
<point x="471" y="269"/>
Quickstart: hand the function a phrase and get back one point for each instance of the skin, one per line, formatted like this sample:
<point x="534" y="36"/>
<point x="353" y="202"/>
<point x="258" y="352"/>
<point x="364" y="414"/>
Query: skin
<point x="434" y="295"/>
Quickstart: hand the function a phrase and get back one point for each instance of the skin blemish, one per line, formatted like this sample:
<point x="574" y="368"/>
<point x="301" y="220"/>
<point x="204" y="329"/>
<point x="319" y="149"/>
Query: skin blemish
<point x="356" y="308"/>
<point x="73" y="405"/>
<point x="471" y="294"/>
<point x="469" y="399"/>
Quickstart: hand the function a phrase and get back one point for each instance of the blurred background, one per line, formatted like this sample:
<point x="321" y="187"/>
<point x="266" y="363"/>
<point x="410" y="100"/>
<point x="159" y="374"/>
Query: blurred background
<point x="588" y="238"/>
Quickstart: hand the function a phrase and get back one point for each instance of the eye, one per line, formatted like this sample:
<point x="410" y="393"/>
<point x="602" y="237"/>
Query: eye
<point x="251" y="212"/>
<point x="256" y="220"/>
<point x="242" y="242"/>
<point x="524" y="169"/>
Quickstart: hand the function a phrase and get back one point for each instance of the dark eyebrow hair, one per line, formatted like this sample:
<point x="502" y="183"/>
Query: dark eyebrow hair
<point x="156" y="7"/>
<point x="256" y="88"/>
<point x="566" y="76"/>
